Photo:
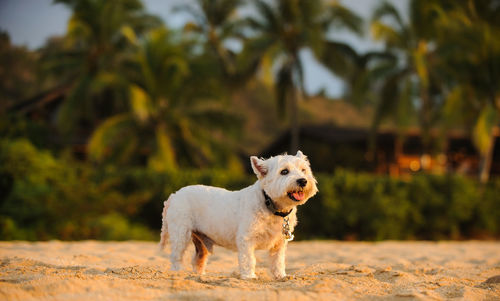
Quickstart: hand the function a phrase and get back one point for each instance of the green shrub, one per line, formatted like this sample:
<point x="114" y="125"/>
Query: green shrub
<point x="116" y="227"/>
<point x="48" y="198"/>
<point x="44" y="198"/>
<point x="372" y="207"/>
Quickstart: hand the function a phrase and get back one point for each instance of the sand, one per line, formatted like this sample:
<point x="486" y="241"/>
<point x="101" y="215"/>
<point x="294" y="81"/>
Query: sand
<point x="320" y="270"/>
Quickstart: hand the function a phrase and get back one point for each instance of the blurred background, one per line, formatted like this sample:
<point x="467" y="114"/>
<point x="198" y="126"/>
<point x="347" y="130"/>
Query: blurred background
<point x="107" y="107"/>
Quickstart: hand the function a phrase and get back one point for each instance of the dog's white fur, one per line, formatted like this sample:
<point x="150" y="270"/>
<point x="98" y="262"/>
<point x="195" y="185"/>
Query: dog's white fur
<point x="238" y="220"/>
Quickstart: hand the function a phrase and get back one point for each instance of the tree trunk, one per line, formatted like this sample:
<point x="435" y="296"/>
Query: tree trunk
<point x="220" y="53"/>
<point x="425" y="121"/>
<point x="486" y="160"/>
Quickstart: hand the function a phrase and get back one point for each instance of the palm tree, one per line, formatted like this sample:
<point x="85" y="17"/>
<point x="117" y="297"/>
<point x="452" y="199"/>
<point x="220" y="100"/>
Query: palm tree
<point x="361" y="72"/>
<point x="413" y="84"/>
<point x="94" y="48"/>
<point x="469" y="44"/>
<point x="364" y="76"/>
<point x="284" y="28"/>
<point x="213" y="21"/>
<point x="171" y="120"/>
<point x="217" y="24"/>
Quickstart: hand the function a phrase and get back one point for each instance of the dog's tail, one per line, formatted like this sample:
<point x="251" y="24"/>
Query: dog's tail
<point x="164" y="226"/>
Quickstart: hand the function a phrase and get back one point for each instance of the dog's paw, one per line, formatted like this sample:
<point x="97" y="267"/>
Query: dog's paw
<point x="248" y="276"/>
<point x="283" y="277"/>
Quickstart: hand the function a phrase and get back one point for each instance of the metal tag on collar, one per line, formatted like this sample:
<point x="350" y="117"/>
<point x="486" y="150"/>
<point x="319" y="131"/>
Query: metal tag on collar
<point x="286" y="230"/>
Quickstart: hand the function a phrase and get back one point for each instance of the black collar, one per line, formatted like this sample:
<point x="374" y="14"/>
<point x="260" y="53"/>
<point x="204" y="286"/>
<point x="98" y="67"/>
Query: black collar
<point x="270" y="205"/>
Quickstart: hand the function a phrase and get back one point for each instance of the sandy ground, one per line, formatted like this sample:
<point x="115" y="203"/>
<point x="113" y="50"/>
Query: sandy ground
<point x="93" y="270"/>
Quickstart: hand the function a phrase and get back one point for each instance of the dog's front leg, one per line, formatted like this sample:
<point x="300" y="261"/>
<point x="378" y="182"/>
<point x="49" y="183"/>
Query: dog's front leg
<point x="246" y="258"/>
<point x="277" y="256"/>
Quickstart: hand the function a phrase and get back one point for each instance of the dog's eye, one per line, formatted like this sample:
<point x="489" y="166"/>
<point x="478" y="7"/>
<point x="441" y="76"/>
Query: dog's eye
<point x="304" y="170"/>
<point x="284" y="171"/>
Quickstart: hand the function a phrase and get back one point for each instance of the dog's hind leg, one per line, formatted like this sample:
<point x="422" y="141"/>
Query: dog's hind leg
<point x="179" y="240"/>
<point x="203" y="246"/>
<point x="164" y="227"/>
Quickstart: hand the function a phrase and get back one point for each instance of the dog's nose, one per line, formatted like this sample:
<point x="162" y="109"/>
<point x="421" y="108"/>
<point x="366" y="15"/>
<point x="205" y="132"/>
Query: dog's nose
<point x="302" y="182"/>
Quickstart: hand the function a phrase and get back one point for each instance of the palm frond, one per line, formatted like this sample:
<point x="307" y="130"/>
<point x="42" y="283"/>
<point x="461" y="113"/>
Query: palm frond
<point x="164" y="158"/>
<point x="195" y="143"/>
<point x="219" y="11"/>
<point x="340" y="58"/>
<point x="217" y="118"/>
<point x="140" y="103"/>
<point x="384" y="32"/>
<point x="195" y="11"/>
<point x="73" y="105"/>
<point x="105" y="80"/>
<point x="233" y="29"/>
<point x="404" y="107"/>
<point x="387" y="10"/>
<point x="377" y="57"/>
<point x="421" y="64"/>
<point x="111" y="136"/>
<point x="129" y="33"/>
<point x="458" y="108"/>
<point x="390" y="96"/>
<point x="341" y="17"/>
<point x="267" y="20"/>
<point x="369" y="71"/>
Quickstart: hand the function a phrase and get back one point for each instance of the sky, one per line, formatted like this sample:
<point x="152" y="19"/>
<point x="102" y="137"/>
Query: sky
<point x="31" y="22"/>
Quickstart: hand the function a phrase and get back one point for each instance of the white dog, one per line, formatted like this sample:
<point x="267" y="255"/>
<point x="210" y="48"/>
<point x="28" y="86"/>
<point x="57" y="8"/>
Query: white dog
<point x="259" y="217"/>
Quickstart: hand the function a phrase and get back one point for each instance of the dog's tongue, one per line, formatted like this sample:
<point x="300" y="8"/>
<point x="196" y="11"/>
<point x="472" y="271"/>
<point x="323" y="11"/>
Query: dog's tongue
<point x="299" y="195"/>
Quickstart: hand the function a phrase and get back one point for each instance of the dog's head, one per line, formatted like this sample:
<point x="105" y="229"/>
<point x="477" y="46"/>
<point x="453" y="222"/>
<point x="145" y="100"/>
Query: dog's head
<point x="287" y="179"/>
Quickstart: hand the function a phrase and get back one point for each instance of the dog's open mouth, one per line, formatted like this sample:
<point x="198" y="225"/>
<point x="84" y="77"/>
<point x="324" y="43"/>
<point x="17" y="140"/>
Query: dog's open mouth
<point x="297" y="196"/>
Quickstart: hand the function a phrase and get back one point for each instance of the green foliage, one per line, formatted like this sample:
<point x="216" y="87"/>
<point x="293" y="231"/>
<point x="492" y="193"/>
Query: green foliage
<point x="215" y="23"/>
<point x="13" y="126"/>
<point x="114" y="226"/>
<point x="48" y="198"/>
<point x="369" y="207"/>
<point x="100" y="36"/>
<point x="413" y="87"/>
<point x="165" y="122"/>
<point x="151" y="100"/>
<point x="45" y="198"/>
<point x="284" y="28"/>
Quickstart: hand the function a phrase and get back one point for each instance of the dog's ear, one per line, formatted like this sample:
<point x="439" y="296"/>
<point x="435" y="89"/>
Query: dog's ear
<point x="259" y="166"/>
<point x="301" y="155"/>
